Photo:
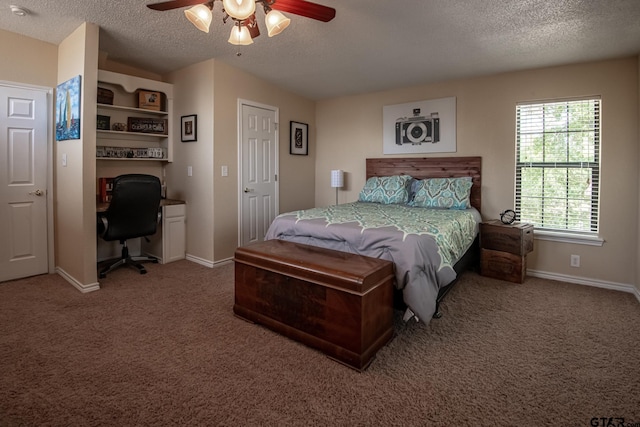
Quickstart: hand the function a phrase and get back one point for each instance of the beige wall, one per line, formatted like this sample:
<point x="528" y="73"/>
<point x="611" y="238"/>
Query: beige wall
<point x="636" y="219"/>
<point x="74" y="206"/>
<point x="296" y="172"/>
<point x="193" y="94"/>
<point x="343" y="132"/>
<point x="104" y="63"/>
<point x="26" y="60"/>
<point x="350" y="130"/>
<point x="211" y="90"/>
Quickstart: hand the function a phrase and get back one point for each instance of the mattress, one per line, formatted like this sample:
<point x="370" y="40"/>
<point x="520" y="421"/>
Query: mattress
<point x="424" y="244"/>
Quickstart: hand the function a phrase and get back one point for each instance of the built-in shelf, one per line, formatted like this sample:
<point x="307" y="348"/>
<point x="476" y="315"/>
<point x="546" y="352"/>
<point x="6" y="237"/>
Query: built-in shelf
<point x="125" y="102"/>
<point x="132" y="109"/>
<point x="127" y="159"/>
<point x="117" y="133"/>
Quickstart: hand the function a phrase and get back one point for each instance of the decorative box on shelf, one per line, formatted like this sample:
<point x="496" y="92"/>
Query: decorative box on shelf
<point x="149" y="100"/>
<point x="105" y="96"/>
<point x="504" y="249"/>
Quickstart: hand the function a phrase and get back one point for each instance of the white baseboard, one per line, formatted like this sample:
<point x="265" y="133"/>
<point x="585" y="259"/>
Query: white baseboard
<point x="208" y="263"/>
<point x="623" y="287"/>
<point x="81" y="287"/>
<point x="223" y="262"/>
<point x="199" y="260"/>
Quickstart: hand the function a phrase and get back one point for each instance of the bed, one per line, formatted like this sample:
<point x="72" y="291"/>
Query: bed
<point x="428" y="243"/>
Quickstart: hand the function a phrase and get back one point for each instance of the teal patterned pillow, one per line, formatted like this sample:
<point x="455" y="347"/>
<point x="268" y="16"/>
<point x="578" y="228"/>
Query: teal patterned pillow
<point x="449" y="193"/>
<point x="386" y="190"/>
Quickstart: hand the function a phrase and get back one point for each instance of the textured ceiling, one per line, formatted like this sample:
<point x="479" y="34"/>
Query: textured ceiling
<point x="371" y="45"/>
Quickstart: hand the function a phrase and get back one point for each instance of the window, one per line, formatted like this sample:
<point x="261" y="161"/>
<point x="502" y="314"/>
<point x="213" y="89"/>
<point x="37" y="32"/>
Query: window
<point x="558" y="165"/>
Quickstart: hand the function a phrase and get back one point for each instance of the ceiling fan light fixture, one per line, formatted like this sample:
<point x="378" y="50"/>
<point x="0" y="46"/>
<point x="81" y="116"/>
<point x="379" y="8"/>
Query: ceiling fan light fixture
<point x="276" y="22"/>
<point x="18" y="11"/>
<point x="200" y="16"/>
<point x="239" y="9"/>
<point x="240" y="36"/>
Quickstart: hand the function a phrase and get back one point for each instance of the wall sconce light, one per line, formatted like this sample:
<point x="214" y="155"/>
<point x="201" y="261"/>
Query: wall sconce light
<point x="337" y="181"/>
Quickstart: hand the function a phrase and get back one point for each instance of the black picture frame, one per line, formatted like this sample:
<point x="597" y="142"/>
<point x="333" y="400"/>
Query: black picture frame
<point x="103" y="122"/>
<point x="299" y="139"/>
<point x="189" y="128"/>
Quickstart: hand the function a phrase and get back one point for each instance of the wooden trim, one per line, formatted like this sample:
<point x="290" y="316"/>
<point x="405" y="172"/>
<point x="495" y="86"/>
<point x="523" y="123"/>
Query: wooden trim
<point x="432" y="167"/>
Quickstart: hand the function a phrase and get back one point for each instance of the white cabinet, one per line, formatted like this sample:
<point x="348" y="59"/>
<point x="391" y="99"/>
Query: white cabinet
<point x="123" y="144"/>
<point x="174" y="233"/>
<point x="169" y="242"/>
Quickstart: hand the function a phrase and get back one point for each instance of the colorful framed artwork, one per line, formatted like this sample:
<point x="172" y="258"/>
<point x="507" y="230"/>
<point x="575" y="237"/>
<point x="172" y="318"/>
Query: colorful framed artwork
<point x="68" y="109"/>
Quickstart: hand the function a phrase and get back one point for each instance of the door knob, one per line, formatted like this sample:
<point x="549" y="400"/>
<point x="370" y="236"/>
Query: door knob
<point x="37" y="193"/>
<point x="248" y="190"/>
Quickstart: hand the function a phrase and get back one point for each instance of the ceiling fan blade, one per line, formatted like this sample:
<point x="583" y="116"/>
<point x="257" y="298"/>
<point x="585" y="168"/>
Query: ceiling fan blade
<point x="305" y="8"/>
<point x="174" y="4"/>
<point x="252" y="26"/>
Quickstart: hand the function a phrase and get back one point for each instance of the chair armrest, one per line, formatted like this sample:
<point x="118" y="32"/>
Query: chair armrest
<point x="102" y="225"/>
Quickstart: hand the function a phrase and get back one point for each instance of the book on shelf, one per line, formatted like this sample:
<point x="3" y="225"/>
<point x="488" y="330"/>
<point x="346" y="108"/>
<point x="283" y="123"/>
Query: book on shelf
<point x="105" y="186"/>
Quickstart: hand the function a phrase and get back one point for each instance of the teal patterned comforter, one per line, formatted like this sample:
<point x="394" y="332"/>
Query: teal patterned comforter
<point x="424" y="244"/>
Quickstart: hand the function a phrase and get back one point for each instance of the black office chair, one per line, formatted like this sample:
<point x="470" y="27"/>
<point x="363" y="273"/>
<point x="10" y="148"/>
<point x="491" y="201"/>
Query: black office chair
<point x="132" y="212"/>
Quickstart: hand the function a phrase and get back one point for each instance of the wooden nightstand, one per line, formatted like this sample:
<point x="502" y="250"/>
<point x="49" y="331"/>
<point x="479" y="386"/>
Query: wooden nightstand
<point x="504" y="250"/>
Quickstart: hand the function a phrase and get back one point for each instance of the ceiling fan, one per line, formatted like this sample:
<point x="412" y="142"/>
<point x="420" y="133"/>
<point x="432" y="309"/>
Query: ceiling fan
<point x="242" y="12"/>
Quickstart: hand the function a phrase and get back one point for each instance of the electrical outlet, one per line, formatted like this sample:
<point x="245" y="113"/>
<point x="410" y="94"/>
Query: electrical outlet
<point x="575" y="260"/>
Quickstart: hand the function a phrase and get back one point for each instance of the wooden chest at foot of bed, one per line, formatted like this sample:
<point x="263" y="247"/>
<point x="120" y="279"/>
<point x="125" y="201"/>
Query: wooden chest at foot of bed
<point x="336" y="302"/>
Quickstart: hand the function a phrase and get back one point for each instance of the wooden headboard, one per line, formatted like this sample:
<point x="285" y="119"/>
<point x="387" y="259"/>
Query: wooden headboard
<point x="432" y="167"/>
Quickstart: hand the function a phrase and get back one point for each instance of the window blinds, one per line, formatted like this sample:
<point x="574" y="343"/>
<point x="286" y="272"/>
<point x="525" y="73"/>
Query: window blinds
<point x="558" y="164"/>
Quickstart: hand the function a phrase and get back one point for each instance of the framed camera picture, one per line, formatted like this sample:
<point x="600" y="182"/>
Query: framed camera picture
<point x="189" y="128"/>
<point x="299" y="139"/>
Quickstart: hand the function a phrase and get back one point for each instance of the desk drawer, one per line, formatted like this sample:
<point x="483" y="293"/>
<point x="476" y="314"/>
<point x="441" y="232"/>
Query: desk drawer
<point x="172" y="211"/>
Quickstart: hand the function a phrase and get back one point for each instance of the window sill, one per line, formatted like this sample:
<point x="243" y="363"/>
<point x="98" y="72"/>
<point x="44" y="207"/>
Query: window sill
<point x="578" y="239"/>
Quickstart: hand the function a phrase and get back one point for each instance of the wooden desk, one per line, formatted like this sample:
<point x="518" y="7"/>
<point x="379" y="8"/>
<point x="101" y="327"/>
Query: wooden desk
<point x="102" y="206"/>
<point x="169" y="242"/>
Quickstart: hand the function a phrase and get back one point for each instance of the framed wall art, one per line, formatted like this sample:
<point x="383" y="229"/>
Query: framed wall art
<point x="68" y="109"/>
<point x="299" y="139"/>
<point x="189" y="128"/>
<point x="420" y="127"/>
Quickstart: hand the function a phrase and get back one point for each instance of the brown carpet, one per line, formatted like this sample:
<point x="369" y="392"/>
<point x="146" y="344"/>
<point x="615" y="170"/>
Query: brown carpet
<point x="165" y="349"/>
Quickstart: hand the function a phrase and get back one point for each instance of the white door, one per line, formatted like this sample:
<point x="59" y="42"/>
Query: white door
<point x="23" y="182"/>
<point x="258" y="170"/>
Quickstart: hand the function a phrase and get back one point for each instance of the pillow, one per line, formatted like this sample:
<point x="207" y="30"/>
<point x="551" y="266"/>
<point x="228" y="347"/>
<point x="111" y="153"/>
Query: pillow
<point x="413" y="187"/>
<point x="449" y="193"/>
<point x="386" y="189"/>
